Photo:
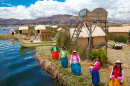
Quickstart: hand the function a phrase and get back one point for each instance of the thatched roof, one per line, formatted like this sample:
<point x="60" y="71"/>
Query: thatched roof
<point x="40" y="27"/>
<point x="98" y="14"/>
<point x="23" y="28"/>
<point x="84" y="33"/>
<point x="12" y="30"/>
<point x="54" y="26"/>
<point x="119" y="29"/>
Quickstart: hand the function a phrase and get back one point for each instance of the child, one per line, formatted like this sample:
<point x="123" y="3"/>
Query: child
<point x="91" y="67"/>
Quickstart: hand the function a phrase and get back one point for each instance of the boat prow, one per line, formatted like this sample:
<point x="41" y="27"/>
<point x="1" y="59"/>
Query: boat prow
<point x="35" y="44"/>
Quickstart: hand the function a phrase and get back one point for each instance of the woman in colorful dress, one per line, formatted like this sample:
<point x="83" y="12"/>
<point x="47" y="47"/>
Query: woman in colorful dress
<point x="54" y="51"/>
<point x="75" y="63"/>
<point x="63" y="57"/>
<point x="95" y="71"/>
<point x="117" y="75"/>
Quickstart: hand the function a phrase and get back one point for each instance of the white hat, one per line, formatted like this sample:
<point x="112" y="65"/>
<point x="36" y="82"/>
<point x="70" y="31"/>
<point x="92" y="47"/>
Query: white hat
<point x="54" y="44"/>
<point x="74" y="51"/>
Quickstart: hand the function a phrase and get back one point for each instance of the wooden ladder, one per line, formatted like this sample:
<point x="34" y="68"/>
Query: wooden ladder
<point x="76" y="32"/>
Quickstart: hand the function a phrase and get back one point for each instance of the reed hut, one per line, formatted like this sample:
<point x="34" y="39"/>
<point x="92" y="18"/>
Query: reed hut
<point x="98" y="14"/>
<point x="12" y="32"/>
<point x="98" y="36"/>
<point x="120" y="31"/>
<point x="23" y="29"/>
<point x="38" y="28"/>
<point x="54" y="26"/>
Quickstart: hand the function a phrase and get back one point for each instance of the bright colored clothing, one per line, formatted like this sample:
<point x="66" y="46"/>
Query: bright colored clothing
<point x="64" y="54"/>
<point x="74" y="59"/>
<point x="95" y="72"/>
<point x="64" y="61"/>
<point x="90" y="68"/>
<point x="97" y="66"/>
<point x="115" y="82"/>
<point x="76" y="68"/>
<point x="54" y="49"/>
<point x="55" y="55"/>
<point x="116" y="78"/>
<point x="95" y="77"/>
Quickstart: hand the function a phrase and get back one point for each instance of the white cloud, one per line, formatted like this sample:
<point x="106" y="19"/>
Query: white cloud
<point x="117" y="9"/>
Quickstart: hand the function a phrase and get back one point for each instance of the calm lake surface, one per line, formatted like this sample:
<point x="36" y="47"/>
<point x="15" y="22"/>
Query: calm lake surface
<point x="18" y="66"/>
<point x="6" y="30"/>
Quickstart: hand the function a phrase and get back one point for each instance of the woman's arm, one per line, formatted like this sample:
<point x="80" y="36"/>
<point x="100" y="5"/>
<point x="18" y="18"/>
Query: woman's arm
<point x="70" y="59"/>
<point x="97" y="67"/>
<point x="51" y="49"/>
<point x="111" y="72"/>
<point x="122" y="72"/>
<point x="79" y="58"/>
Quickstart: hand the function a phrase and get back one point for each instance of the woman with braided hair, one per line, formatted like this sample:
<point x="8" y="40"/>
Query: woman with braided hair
<point x="117" y="75"/>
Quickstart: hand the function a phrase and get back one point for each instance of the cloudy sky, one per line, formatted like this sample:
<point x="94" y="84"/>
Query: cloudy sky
<point x="32" y="9"/>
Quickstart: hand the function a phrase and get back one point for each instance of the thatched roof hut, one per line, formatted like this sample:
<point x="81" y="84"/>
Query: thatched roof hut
<point x="23" y="29"/>
<point x="12" y="32"/>
<point x="98" y="36"/>
<point x="120" y="31"/>
<point x="98" y="14"/>
<point x="54" y="26"/>
<point x="40" y="27"/>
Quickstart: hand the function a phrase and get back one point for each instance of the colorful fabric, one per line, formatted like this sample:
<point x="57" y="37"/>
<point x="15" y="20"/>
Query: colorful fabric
<point x="76" y="68"/>
<point x="95" y="77"/>
<point x="117" y="71"/>
<point x="77" y="59"/>
<point x="115" y="82"/>
<point x="52" y="49"/>
<point x="64" y="62"/>
<point x="66" y="54"/>
<point x="55" y="55"/>
<point x="97" y="66"/>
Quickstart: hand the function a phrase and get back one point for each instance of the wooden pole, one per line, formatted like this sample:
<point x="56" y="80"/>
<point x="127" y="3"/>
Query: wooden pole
<point x="106" y="36"/>
<point x="89" y="45"/>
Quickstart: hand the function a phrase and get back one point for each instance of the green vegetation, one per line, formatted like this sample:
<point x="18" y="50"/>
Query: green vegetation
<point x="101" y="53"/>
<point x="117" y="38"/>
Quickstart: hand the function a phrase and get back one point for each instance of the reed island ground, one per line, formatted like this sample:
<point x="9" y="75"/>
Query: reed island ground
<point x="64" y="76"/>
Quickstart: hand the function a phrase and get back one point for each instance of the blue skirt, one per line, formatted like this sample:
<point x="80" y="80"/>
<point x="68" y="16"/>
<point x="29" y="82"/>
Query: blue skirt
<point x="76" y="69"/>
<point x="95" y="77"/>
<point x="64" y="62"/>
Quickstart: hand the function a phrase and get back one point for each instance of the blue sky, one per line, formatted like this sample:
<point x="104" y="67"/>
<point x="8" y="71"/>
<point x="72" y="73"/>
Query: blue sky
<point x="32" y="9"/>
<point x="26" y="3"/>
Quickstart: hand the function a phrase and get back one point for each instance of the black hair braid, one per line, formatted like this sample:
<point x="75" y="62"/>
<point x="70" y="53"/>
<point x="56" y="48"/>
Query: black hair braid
<point x="114" y="69"/>
<point x="120" y="70"/>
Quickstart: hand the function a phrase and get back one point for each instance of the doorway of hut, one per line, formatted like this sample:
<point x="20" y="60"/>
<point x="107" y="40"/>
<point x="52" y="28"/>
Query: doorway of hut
<point x="20" y="31"/>
<point x="38" y="31"/>
<point x="12" y="33"/>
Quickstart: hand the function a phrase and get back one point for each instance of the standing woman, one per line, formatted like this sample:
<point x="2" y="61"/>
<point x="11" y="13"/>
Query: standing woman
<point x="75" y="63"/>
<point x="117" y="75"/>
<point x="54" y="51"/>
<point x="63" y="55"/>
<point x="95" y="71"/>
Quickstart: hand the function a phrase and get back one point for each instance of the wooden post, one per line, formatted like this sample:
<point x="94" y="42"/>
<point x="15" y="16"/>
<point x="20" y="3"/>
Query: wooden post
<point x="106" y="36"/>
<point x="89" y="45"/>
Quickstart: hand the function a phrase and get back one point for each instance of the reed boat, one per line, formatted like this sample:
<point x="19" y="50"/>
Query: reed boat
<point x="44" y="40"/>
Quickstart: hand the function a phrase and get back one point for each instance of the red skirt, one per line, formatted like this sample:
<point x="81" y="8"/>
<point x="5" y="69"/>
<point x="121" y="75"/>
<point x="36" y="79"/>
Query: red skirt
<point x="55" y="55"/>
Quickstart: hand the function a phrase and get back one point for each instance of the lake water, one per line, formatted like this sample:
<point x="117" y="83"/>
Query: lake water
<point x="7" y="29"/>
<point x="18" y="66"/>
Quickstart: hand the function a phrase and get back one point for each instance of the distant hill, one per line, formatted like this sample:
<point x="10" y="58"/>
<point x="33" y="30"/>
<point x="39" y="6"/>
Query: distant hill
<point x="53" y="20"/>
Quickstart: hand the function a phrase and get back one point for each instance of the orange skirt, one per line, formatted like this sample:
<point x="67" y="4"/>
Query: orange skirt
<point x="115" y="82"/>
<point x="55" y="55"/>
